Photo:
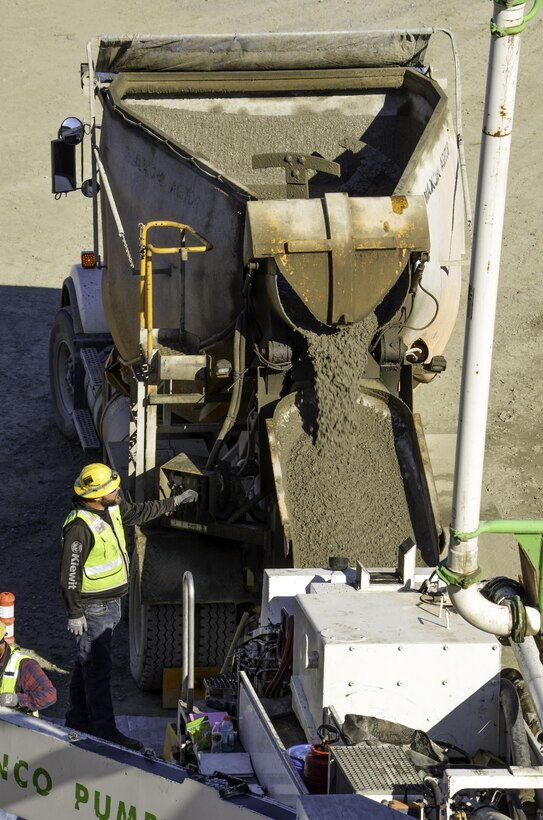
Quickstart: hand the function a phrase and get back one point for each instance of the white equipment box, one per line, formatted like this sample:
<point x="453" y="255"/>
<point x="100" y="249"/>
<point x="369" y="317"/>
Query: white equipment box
<point x="389" y="654"/>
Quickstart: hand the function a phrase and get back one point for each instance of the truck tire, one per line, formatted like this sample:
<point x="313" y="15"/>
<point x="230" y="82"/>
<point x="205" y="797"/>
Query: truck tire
<point x="156" y="635"/>
<point x="62" y="364"/>
<point x="215" y="627"/>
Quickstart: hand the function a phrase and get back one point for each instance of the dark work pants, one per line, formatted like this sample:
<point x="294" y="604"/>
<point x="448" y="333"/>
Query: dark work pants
<point x="90" y="707"/>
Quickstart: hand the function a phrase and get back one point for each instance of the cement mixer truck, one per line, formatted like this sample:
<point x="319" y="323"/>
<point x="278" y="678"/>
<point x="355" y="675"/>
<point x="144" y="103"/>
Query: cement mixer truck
<point x="278" y="228"/>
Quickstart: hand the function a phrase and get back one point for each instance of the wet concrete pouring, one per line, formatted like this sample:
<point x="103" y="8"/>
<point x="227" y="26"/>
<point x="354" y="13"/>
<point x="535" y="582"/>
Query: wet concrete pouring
<point x="344" y="486"/>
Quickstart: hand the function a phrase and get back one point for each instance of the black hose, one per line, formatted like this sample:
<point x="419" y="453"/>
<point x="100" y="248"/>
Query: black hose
<point x="433" y="785"/>
<point x="237" y="388"/>
<point x="526" y="702"/>
<point x="252" y="502"/>
<point x="274" y="686"/>
<point x="525" y="705"/>
<point x="514" y="722"/>
<point x="217" y="337"/>
<point x="518" y="740"/>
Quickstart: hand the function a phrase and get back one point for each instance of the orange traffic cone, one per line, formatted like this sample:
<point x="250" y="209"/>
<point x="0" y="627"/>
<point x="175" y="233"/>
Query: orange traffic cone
<point x="7" y="614"/>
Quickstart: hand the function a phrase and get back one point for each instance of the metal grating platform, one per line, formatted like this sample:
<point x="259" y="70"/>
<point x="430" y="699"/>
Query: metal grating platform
<point x="383" y="769"/>
<point x="86" y="430"/>
<point x="93" y="365"/>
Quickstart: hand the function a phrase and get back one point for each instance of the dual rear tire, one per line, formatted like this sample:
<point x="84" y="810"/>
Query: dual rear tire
<point x="156" y="635"/>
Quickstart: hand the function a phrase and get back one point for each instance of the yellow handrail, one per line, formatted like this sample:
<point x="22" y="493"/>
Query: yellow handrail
<point x="146" y="268"/>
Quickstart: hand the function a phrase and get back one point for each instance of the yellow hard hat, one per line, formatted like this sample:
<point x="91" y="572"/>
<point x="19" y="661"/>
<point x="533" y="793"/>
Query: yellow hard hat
<point x="96" y="480"/>
<point x="3" y="630"/>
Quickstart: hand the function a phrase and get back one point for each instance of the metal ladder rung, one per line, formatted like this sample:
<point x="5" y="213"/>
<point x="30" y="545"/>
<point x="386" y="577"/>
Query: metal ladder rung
<point x="86" y="430"/>
<point x="93" y="366"/>
<point x="175" y="398"/>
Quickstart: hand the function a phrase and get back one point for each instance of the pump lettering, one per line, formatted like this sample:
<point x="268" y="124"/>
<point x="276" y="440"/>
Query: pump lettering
<point x="106" y="813"/>
<point x="41" y="780"/>
<point x="121" y="812"/>
<point x="103" y="809"/>
<point x="81" y="795"/>
<point x="21" y="764"/>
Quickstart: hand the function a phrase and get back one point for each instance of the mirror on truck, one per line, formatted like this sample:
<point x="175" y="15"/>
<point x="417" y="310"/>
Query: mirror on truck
<point x="71" y="131"/>
<point x="63" y="174"/>
<point x="89" y="187"/>
<point x="63" y="163"/>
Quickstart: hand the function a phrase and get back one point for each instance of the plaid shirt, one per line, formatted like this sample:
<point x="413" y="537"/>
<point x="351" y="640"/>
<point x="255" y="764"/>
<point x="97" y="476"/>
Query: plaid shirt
<point x="34" y="689"/>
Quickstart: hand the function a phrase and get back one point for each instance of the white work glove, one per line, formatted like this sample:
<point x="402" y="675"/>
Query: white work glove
<point x="77" y="625"/>
<point x="9" y="699"/>
<point x="188" y="497"/>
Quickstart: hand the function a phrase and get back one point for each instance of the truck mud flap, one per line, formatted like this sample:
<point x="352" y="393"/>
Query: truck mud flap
<point x="164" y="556"/>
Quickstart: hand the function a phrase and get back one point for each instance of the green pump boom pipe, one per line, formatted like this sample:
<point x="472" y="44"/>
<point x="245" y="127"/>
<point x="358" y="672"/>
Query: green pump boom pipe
<point x="513" y="527"/>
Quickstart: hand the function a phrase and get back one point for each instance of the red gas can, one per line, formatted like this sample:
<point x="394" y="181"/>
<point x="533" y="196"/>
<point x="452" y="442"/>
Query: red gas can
<point x="316" y="770"/>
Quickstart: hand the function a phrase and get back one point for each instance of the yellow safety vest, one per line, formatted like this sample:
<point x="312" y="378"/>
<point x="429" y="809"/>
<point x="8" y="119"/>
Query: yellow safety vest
<point x="107" y="564"/>
<point x="8" y="682"/>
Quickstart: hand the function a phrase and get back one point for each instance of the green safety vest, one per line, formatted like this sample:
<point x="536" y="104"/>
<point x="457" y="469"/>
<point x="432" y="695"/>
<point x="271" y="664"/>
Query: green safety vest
<point x="8" y="682"/>
<point x="107" y="564"/>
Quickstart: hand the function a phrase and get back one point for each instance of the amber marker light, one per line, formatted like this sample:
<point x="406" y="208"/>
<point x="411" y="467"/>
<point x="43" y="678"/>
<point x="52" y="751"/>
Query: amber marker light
<point x="88" y="259"/>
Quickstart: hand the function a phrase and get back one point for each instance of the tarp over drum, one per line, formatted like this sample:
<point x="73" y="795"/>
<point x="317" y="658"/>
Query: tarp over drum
<point x="253" y="52"/>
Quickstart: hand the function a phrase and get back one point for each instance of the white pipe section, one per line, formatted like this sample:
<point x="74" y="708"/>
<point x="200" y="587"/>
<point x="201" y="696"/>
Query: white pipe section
<point x="493" y="618"/>
<point x="531" y="669"/>
<point x="483" y="287"/>
<point x="481" y="313"/>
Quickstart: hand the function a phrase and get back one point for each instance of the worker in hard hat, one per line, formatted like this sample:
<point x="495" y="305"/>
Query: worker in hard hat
<point x="23" y="683"/>
<point x="94" y="578"/>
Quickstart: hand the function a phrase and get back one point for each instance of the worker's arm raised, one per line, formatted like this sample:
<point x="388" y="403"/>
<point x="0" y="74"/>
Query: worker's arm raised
<point x="146" y="511"/>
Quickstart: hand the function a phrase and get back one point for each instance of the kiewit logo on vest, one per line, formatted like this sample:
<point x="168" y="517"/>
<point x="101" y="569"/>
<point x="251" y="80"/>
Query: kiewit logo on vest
<point x="74" y="563"/>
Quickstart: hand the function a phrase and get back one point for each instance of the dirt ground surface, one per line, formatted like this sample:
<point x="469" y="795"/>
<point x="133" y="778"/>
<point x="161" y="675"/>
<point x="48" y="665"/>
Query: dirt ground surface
<point x="43" y="46"/>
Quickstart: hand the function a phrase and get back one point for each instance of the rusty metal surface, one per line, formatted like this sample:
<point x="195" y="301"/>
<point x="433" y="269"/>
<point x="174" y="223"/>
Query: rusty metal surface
<point x="340" y="255"/>
<point x="296" y="167"/>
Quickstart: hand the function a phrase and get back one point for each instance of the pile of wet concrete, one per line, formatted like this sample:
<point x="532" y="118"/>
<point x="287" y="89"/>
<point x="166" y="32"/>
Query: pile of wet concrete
<point x="229" y="140"/>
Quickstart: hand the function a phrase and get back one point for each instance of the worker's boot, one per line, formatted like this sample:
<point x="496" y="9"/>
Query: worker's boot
<point x="127" y="742"/>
